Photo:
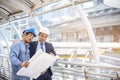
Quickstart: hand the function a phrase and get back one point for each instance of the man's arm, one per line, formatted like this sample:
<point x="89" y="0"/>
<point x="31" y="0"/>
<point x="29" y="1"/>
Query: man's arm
<point x="52" y="50"/>
<point x="14" y="53"/>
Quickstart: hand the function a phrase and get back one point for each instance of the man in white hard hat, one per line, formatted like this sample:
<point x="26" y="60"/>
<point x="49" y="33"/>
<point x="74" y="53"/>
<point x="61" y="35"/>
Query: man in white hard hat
<point x="46" y="47"/>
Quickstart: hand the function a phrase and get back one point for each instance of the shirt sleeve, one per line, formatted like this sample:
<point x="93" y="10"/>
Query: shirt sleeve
<point x="14" y="53"/>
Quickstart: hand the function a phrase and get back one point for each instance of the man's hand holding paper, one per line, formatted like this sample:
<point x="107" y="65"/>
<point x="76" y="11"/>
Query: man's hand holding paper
<point x="35" y="69"/>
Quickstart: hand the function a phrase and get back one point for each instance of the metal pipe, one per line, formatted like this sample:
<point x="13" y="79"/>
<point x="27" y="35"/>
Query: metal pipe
<point x="59" y="7"/>
<point x="38" y="22"/>
<point x="20" y="37"/>
<point x="86" y="66"/>
<point x="50" y="10"/>
<point x="90" y="33"/>
<point x="6" y="40"/>
<point x="116" y="68"/>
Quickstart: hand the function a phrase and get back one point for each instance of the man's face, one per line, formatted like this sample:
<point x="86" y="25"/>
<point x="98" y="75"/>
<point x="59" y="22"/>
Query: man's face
<point x="29" y="37"/>
<point x="42" y="37"/>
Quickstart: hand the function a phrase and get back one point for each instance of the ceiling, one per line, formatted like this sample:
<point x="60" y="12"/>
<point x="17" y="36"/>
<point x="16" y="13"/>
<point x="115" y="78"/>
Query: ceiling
<point x="10" y="9"/>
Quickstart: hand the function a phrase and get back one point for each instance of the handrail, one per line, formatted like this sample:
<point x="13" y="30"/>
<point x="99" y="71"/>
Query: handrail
<point x="108" y="57"/>
<point x="4" y="55"/>
<point x="5" y="70"/>
<point x="101" y="74"/>
<point x="85" y="69"/>
<point x="91" y="65"/>
<point x="85" y="44"/>
<point x="110" y="60"/>
<point x="81" y="71"/>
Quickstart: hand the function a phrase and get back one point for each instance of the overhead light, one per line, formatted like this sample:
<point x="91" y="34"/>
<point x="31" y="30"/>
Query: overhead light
<point x="112" y="3"/>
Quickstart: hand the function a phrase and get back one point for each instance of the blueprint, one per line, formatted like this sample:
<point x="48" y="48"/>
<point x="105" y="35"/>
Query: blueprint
<point x="38" y="63"/>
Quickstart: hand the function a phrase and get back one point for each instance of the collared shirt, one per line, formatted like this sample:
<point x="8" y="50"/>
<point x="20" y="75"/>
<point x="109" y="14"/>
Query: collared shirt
<point x="39" y="46"/>
<point x="19" y="53"/>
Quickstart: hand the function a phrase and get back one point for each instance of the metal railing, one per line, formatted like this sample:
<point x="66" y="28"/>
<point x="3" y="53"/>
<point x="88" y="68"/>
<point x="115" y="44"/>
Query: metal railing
<point x="85" y="71"/>
<point x="110" y="60"/>
<point x="5" y="69"/>
<point x="71" y="70"/>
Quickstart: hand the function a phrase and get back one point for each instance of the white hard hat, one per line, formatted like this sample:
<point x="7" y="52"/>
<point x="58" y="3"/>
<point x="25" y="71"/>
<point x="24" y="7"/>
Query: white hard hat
<point x="44" y="30"/>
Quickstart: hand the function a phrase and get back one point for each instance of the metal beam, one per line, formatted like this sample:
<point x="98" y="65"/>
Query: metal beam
<point x="59" y="7"/>
<point x="46" y="11"/>
<point x="6" y="40"/>
<point x="77" y="24"/>
<point x="6" y="8"/>
<point x="20" y="37"/>
<point x="21" y="5"/>
<point x="3" y="14"/>
<point x="39" y="24"/>
<point x="108" y="67"/>
<point x="43" y="3"/>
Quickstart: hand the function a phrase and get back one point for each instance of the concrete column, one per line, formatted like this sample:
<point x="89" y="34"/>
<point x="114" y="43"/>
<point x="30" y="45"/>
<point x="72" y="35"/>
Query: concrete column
<point x="64" y="37"/>
<point x="116" y="38"/>
<point x="77" y="36"/>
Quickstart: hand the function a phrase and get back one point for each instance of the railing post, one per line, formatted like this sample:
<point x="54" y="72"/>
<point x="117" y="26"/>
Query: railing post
<point x="85" y="73"/>
<point x="118" y="78"/>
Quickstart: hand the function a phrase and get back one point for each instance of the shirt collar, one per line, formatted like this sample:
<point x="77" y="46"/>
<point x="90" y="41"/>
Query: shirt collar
<point x="40" y="42"/>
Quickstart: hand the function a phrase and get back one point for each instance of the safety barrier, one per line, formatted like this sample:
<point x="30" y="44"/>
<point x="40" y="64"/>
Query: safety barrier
<point x="72" y="69"/>
<point x="5" y="71"/>
<point x="85" y="71"/>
